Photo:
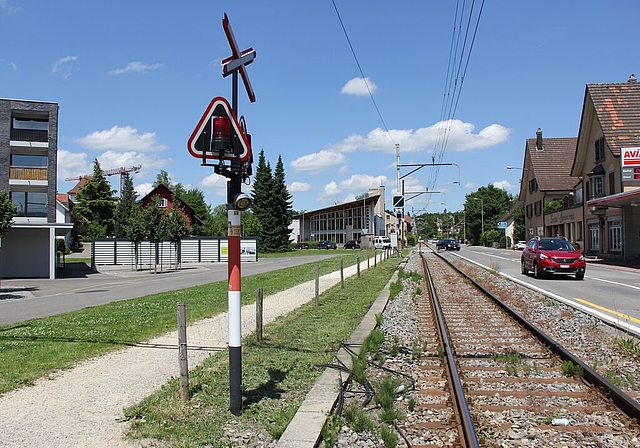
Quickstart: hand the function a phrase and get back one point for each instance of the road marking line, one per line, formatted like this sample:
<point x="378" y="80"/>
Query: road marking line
<point x="615" y="283"/>
<point x="602" y="308"/>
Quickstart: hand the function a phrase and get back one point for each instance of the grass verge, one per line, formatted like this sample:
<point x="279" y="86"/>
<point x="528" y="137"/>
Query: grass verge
<point x="39" y="347"/>
<point x="278" y="372"/>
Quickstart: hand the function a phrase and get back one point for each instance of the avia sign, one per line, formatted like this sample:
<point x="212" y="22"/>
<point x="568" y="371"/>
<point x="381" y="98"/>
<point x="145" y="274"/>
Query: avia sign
<point x="630" y="156"/>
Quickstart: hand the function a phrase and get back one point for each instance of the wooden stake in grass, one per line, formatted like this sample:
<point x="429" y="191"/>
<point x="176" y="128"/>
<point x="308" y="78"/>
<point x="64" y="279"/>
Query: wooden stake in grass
<point x="182" y="352"/>
<point x="259" y="308"/>
<point x="341" y="273"/>
<point x="317" y="283"/>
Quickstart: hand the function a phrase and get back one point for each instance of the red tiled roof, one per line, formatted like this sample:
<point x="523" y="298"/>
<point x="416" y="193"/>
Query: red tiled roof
<point x="618" y="110"/>
<point x="552" y="165"/>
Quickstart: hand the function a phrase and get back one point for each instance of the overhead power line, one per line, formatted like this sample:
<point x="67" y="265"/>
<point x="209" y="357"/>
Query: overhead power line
<point x="364" y="79"/>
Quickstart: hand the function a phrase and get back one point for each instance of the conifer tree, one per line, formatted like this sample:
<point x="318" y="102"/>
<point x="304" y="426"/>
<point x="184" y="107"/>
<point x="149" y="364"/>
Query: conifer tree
<point x="282" y="210"/>
<point x="95" y="207"/>
<point x="128" y="198"/>
<point x="263" y="204"/>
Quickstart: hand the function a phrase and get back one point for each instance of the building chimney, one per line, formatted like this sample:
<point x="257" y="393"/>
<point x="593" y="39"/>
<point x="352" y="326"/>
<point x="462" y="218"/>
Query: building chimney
<point x="632" y="78"/>
<point x="539" y="146"/>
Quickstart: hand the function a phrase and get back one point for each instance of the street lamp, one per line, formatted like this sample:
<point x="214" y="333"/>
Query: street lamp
<point x="481" y="211"/>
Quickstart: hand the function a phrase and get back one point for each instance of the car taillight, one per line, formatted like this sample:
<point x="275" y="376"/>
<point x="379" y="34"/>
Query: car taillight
<point x="221" y="134"/>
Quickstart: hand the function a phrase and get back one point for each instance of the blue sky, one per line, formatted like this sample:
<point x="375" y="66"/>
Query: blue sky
<point x="133" y="78"/>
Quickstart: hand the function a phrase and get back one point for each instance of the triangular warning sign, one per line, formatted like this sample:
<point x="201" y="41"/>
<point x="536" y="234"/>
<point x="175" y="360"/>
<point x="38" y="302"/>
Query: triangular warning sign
<point x="200" y="139"/>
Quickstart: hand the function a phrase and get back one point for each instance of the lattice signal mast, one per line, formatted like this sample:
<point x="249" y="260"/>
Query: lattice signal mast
<point x="121" y="171"/>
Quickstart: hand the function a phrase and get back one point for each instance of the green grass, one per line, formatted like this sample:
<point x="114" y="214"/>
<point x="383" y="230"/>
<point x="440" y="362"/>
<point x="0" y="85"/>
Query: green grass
<point x="37" y="348"/>
<point x="277" y="372"/>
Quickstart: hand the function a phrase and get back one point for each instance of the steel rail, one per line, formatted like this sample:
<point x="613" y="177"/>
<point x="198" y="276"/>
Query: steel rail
<point x="622" y="401"/>
<point x="468" y="432"/>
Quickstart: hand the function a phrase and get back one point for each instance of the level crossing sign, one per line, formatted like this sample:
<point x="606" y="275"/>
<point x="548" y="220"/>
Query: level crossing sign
<point x="202" y="136"/>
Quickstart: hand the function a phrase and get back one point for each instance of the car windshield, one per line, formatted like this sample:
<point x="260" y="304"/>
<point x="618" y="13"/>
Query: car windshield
<point x="556" y="244"/>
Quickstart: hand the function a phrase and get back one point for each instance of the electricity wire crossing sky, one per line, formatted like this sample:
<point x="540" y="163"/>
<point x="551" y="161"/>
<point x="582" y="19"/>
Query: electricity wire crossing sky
<point x="338" y="84"/>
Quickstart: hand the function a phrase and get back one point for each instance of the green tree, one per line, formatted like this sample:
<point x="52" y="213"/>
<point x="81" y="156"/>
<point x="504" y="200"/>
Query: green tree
<point x="155" y="231"/>
<point x="7" y="212"/>
<point x="250" y="224"/>
<point x="128" y="198"/>
<point x="218" y="224"/>
<point x="490" y="203"/>
<point x="175" y="225"/>
<point x="281" y="210"/>
<point x="95" y="206"/>
<point x="263" y="198"/>
<point x="135" y="229"/>
<point x="194" y="198"/>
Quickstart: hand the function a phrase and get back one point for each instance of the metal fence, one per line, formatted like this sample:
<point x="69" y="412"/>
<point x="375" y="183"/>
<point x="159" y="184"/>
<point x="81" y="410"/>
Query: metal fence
<point x="118" y="251"/>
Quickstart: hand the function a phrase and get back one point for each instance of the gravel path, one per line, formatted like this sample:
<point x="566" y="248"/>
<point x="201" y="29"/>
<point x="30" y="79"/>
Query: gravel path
<point x="81" y="407"/>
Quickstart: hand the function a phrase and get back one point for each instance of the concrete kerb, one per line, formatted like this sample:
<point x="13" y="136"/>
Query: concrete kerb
<point x="304" y="430"/>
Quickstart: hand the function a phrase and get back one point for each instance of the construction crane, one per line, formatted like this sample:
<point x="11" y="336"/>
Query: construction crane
<point x="122" y="171"/>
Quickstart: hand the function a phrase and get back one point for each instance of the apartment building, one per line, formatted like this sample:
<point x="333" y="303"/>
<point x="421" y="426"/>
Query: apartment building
<point x="28" y="172"/>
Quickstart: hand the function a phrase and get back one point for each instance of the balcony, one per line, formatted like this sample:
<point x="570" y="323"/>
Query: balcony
<point x="28" y="173"/>
<point x="30" y="135"/>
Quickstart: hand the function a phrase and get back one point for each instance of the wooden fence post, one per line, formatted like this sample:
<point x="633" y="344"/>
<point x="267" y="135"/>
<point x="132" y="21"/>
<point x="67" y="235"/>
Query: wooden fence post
<point x="341" y="273"/>
<point x="182" y="352"/>
<point x="317" y="283"/>
<point x="358" y="264"/>
<point x="259" y="313"/>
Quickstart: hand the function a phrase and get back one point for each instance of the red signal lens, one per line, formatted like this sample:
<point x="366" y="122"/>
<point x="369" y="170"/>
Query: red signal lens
<point x="221" y="134"/>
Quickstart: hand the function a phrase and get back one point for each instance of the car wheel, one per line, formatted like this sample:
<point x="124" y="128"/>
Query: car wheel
<point x="580" y="276"/>
<point x="523" y="268"/>
<point x="536" y="272"/>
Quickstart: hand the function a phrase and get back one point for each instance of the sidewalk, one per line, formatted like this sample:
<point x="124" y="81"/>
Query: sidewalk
<point x="82" y="407"/>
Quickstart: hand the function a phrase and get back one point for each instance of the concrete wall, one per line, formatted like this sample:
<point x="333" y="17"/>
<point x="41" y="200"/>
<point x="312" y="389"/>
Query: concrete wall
<point x="25" y="253"/>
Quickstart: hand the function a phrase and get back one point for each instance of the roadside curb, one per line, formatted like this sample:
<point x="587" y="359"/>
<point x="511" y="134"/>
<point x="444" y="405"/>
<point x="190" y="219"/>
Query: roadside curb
<point x="305" y="429"/>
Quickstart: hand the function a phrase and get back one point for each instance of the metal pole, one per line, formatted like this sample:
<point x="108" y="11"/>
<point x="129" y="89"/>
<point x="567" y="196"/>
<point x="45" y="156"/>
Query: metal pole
<point x="235" y="280"/>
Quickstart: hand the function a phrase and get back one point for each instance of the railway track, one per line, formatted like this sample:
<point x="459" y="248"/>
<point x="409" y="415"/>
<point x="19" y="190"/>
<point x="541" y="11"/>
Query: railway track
<point x="520" y="386"/>
<point x="483" y="376"/>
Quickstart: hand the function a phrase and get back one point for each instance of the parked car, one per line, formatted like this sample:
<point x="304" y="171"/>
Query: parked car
<point x="327" y="245"/>
<point x="544" y="256"/>
<point x="520" y="245"/>
<point x="382" y="242"/>
<point x="301" y="246"/>
<point x="352" y="244"/>
<point x="447" y="244"/>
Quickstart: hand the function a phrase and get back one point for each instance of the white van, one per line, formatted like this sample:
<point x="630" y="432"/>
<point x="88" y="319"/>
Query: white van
<point x="382" y="242"/>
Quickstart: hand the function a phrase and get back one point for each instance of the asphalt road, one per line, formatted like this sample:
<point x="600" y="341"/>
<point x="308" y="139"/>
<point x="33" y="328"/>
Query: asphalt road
<point x="613" y="290"/>
<point x="79" y="287"/>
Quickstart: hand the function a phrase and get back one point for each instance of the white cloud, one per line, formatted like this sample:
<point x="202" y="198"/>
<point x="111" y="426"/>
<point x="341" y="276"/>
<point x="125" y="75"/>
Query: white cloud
<point x="143" y="189"/>
<point x="72" y="164"/>
<point x="455" y="134"/>
<point x="215" y="184"/>
<point x="358" y="87"/>
<point x="506" y="185"/>
<point x="356" y="184"/>
<point x="122" y="139"/>
<point x="318" y="161"/>
<point x="298" y="187"/>
<point x="135" y="67"/>
<point x="64" y="66"/>
<point x="470" y="185"/>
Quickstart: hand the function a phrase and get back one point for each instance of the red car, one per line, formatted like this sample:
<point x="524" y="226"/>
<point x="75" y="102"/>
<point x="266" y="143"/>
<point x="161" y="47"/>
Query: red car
<point x="544" y="256"/>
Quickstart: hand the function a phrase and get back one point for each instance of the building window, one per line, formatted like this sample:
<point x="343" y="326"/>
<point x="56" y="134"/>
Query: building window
<point x="533" y="186"/>
<point x="164" y="203"/>
<point x="29" y="130"/>
<point x="594" y="237"/>
<point x="615" y="236"/>
<point x="30" y="204"/>
<point x="28" y="160"/>
<point x="596" y="186"/>
<point x="600" y="149"/>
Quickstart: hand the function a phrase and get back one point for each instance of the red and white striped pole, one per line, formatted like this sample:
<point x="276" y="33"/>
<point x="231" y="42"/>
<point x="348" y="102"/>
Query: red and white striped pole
<point x="235" y="306"/>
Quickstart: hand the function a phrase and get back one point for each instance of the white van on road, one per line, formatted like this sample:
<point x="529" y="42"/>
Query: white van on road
<point x="382" y="242"/>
